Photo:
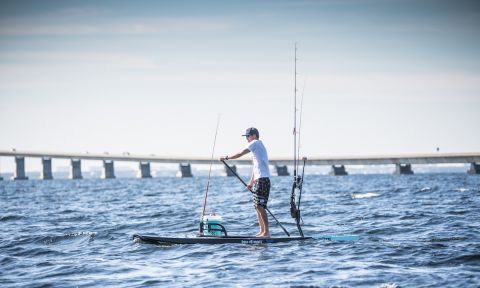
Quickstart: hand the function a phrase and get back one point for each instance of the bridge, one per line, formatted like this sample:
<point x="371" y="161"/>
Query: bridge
<point x="403" y="163"/>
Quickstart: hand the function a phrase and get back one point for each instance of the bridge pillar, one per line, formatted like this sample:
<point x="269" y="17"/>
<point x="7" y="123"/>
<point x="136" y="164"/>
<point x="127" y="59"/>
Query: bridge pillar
<point x="145" y="169"/>
<point x="230" y="173"/>
<point x="76" y="172"/>
<point x="474" y="168"/>
<point x="403" y="169"/>
<point x="338" y="170"/>
<point x="47" y="168"/>
<point x="185" y="170"/>
<point x="282" y="170"/>
<point x="20" y="168"/>
<point x="108" y="170"/>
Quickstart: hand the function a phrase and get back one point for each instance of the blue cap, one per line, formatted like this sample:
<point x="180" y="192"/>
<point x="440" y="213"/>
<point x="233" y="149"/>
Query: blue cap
<point x="251" y="131"/>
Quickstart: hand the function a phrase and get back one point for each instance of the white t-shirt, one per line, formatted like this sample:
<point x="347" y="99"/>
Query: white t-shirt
<point x="260" y="159"/>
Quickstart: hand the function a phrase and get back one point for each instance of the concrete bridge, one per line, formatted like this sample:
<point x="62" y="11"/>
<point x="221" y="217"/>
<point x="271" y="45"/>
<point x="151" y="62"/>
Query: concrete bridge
<point x="402" y="162"/>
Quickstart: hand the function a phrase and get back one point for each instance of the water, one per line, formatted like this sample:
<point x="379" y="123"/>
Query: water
<point x="415" y="231"/>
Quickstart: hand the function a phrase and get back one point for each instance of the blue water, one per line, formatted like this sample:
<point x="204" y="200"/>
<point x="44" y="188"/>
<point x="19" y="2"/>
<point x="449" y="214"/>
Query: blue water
<point x="415" y="231"/>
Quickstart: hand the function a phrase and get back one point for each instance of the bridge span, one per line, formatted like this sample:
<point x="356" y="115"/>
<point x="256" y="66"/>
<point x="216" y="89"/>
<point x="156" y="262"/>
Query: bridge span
<point x="402" y="162"/>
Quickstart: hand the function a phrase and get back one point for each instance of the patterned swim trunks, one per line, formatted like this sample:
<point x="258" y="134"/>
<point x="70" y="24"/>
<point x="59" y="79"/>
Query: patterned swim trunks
<point x="261" y="191"/>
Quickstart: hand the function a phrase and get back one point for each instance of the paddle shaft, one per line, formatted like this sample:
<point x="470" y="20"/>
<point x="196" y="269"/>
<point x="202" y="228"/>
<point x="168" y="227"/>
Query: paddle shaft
<point x="239" y="178"/>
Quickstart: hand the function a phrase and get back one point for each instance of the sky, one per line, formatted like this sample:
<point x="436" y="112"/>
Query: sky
<point x="152" y="77"/>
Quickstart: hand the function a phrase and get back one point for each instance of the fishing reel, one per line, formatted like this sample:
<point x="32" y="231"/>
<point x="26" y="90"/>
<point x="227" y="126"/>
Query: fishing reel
<point x="297" y="187"/>
<point x="299" y="182"/>
<point x="294" y="212"/>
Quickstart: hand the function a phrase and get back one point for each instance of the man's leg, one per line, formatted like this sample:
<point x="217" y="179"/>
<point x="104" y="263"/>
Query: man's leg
<point x="263" y="221"/>
<point x="259" y="218"/>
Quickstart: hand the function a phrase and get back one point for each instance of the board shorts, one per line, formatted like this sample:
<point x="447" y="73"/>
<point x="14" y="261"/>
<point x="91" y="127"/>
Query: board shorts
<point x="261" y="191"/>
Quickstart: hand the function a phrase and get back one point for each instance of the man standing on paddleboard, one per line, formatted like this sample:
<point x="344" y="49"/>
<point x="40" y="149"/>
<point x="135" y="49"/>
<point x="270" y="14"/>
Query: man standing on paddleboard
<point x="259" y="182"/>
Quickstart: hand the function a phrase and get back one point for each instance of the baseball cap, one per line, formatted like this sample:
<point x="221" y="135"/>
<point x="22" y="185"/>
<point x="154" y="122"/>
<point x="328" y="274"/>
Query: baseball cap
<point x="251" y="131"/>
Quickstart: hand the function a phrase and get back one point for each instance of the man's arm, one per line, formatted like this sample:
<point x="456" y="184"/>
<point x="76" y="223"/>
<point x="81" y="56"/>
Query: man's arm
<point x="250" y="183"/>
<point x="238" y="155"/>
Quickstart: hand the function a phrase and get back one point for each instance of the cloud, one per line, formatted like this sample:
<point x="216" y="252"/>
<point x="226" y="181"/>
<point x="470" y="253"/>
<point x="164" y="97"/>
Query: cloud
<point x="42" y="60"/>
<point x="420" y="87"/>
<point x="117" y="26"/>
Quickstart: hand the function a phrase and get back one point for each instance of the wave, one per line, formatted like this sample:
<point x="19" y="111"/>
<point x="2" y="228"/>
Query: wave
<point x="447" y="239"/>
<point x="458" y="260"/>
<point x="389" y="285"/>
<point x="467" y="258"/>
<point x="7" y="217"/>
<point x="364" y="195"/>
<point x="59" y="238"/>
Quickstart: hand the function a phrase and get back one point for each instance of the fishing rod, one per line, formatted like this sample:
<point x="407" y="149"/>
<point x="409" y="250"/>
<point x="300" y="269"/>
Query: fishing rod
<point x="241" y="180"/>
<point x="297" y="179"/>
<point x="300" y="182"/>
<point x="300" y="190"/>
<point x="295" y="119"/>
<point x="299" y="133"/>
<point x="209" y="176"/>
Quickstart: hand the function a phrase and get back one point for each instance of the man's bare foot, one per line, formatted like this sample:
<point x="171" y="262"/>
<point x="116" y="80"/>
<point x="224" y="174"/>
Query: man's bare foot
<point x="263" y="235"/>
<point x="259" y="233"/>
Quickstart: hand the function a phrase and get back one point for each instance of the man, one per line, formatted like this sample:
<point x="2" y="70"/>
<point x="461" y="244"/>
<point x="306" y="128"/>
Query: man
<point x="260" y="180"/>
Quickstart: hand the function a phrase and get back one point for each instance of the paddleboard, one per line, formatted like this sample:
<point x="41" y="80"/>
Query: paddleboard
<point x="214" y="240"/>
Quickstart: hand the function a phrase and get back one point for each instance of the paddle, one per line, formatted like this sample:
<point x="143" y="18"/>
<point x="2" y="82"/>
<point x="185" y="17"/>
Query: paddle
<point x="238" y="177"/>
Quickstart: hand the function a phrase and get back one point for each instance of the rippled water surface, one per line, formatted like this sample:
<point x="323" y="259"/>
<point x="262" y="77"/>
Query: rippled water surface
<point x="415" y="231"/>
